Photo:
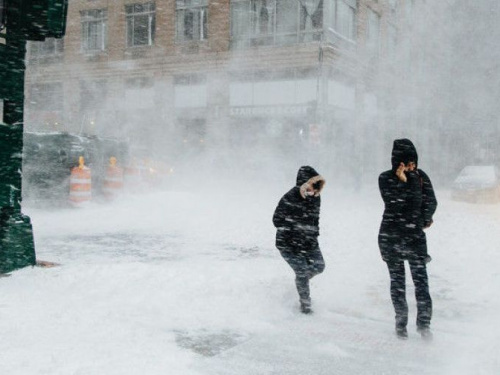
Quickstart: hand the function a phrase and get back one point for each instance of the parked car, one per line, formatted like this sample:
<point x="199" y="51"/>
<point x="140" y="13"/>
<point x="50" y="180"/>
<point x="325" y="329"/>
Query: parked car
<point x="478" y="184"/>
<point x="49" y="157"/>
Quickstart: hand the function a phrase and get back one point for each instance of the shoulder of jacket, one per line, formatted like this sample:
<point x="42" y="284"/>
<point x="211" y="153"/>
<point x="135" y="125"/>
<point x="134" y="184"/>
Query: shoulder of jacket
<point x="291" y="194"/>
<point x="423" y="175"/>
<point x="386" y="174"/>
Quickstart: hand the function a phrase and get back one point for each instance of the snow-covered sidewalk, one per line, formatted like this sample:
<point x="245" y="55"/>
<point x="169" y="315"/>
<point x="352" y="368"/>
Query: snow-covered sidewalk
<point x="178" y="283"/>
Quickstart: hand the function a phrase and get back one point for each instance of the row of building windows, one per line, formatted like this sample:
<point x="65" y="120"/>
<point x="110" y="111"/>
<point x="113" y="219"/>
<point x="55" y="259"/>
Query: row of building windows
<point x="93" y="93"/>
<point x="253" y="22"/>
<point x="191" y="24"/>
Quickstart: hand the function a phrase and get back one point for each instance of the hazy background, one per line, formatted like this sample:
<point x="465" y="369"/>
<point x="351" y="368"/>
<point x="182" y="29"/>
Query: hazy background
<point x="438" y="87"/>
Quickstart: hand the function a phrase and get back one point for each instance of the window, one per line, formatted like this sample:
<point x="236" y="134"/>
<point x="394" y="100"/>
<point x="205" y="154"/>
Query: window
<point x="373" y="33"/>
<point x="190" y="91"/>
<point x="345" y="18"/>
<point x="190" y="79"/>
<point x="140" y="93"/>
<point x="191" y="19"/>
<point x="286" y="21"/>
<point x="140" y="24"/>
<point x="253" y="22"/>
<point x="94" y="29"/>
<point x="47" y="97"/>
<point x="267" y="22"/>
<point x="49" y="47"/>
<point x="311" y="18"/>
<point x="139" y="83"/>
<point x="240" y="27"/>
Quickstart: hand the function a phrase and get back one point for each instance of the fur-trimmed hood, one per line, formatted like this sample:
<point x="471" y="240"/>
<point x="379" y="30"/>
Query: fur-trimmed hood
<point x="306" y="178"/>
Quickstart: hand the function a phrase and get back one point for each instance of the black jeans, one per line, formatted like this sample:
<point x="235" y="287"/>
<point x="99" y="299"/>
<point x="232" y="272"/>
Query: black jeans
<point x="306" y="265"/>
<point x="398" y="292"/>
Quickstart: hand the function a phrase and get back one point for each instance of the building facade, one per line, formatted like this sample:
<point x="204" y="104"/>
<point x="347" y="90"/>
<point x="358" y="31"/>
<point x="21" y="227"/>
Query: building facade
<point x="185" y="76"/>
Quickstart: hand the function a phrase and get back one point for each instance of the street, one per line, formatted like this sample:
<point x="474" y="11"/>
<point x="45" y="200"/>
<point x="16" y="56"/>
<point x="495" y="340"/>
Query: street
<point x="190" y="283"/>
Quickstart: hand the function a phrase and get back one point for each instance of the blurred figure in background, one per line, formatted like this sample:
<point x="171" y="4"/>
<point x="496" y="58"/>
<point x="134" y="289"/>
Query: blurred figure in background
<point x="410" y="204"/>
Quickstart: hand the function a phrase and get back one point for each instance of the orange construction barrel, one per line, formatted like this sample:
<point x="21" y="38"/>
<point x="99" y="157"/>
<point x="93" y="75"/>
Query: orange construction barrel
<point x="113" y="180"/>
<point x="80" y="183"/>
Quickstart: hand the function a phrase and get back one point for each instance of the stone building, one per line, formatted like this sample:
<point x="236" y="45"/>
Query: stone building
<point x="187" y="76"/>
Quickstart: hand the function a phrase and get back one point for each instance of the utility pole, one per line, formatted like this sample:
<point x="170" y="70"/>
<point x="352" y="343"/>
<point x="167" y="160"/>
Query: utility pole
<point x="20" y="21"/>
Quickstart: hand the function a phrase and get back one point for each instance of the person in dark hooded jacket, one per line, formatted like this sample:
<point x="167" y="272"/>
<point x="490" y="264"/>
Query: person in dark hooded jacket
<point x="297" y="221"/>
<point x="410" y="204"/>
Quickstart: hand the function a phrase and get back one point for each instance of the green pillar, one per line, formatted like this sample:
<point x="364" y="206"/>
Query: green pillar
<point x="20" y="21"/>
<point x="17" y="248"/>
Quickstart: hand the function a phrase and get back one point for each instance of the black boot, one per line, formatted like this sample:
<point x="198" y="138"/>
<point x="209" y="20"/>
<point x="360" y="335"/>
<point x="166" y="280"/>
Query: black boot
<point x="402" y="333"/>
<point x="305" y="306"/>
<point x="425" y="332"/>
<point x="302" y="283"/>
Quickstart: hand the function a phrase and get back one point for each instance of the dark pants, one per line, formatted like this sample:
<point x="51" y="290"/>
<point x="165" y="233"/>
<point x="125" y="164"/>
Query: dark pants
<point x="306" y="265"/>
<point x="398" y="292"/>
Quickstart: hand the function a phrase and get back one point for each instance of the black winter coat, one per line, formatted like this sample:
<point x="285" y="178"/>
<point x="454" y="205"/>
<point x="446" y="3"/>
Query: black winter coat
<point x="409" y="207"/>
<point x="297" y="216"/>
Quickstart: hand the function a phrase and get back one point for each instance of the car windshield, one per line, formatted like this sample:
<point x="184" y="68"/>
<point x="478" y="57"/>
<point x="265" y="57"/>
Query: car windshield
<point x="483" y="174"/>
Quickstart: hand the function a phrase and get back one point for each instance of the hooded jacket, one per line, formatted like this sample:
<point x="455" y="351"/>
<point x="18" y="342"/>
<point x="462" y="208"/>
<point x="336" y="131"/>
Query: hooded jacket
<point x="410" y="205"/>
<point x="297" y="215"/>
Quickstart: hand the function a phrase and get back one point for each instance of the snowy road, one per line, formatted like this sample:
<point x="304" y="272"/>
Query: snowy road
<point x="187" y="284"/>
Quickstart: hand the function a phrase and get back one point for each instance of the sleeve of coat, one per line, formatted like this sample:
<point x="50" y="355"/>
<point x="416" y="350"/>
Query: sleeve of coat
<point x="316" y="219"/>
<point x="413" y="194"/>
<point x="429" y="201"/>
<point x="280" y="214"/>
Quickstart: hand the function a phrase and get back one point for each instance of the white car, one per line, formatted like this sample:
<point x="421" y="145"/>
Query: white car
<point x="478" y="184"/>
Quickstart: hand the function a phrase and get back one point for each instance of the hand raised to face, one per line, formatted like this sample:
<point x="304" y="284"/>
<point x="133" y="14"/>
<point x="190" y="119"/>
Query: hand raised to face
<point x="400" y="172"/>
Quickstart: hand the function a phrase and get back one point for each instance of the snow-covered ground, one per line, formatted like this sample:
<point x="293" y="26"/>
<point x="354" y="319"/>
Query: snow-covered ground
<point x="190" y="283"/>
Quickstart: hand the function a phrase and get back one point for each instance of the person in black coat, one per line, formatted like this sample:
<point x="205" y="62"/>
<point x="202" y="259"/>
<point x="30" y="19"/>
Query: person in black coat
<point x="297" y="221"/>
<point x="410" y="204"/>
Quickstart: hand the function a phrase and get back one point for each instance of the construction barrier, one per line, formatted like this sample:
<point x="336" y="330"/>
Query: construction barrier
<point x="113" y="180"/>
<point x="80" y="184"/>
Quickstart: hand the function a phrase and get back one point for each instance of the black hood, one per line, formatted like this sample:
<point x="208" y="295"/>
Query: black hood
<point x="305" y="174"/>
<point x="403" y="151"/>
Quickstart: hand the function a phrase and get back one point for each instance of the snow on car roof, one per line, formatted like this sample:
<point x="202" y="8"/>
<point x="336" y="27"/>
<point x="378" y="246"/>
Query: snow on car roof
<point x="483" y="173"/>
